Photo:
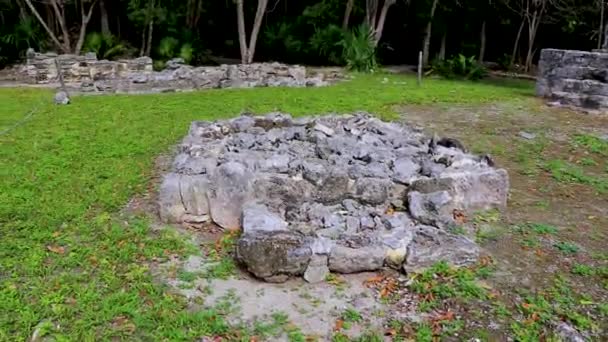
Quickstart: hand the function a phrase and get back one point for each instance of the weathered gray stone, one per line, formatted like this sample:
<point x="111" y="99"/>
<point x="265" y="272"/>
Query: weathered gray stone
<point x="193" y="190"/>
<point x="171" y="207"/>
<point x="470" y="189"/>
<point x="229" y="188"/>
<point x="317" y="269"/>
<point x="344" y="259"/>
<point x="257" y="217"/>
<point x="568" y="333"/>
<point x="405" y="170"/>
<point x="396" y="242"/>
<point x="431" y="245"/>
<point x="435" y="208"/>
<point x="62" y="98"/>
<point x="527" y="135"/>
<point x="274" y="255"/>
<point x="371" y="190"/>
<point x="574" y="78"/>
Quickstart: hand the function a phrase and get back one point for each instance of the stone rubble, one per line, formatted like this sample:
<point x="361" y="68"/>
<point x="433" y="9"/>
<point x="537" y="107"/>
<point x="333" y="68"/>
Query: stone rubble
<point x="347" y="193"/>
<point x="87" y="74"/>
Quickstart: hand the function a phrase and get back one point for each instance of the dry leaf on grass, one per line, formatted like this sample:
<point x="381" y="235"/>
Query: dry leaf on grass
<point x="56" y="249"/>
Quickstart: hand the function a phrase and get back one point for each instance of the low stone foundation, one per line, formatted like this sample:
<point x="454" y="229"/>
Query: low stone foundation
<point x="89" y="75"/>
<point x="344" y="193"/>
<point x="574" y="78"/>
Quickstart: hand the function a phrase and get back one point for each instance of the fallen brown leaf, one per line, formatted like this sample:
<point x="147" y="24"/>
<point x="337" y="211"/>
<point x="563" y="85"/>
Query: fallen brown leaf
<point x="56" y="249"/>
<point x="374" y="280"/>
<point x="459" y="216"/>
<point x="339" y="324"/>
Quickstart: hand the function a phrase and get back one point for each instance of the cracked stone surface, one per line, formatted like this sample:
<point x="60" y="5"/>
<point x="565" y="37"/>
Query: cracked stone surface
<point x="347" y="193"/>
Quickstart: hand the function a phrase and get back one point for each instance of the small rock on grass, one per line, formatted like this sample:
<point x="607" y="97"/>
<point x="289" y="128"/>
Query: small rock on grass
<point x="527" y="135"/>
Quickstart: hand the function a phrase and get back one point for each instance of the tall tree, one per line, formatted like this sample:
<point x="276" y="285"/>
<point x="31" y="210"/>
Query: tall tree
<point x="426" y="44"/>
<point x="248" y="50"/>
<point x="349" y="9"/>
<point x="58" y="8"/>
<point x="103" y="18"/>
<point x="375" y="22"/>
<point x="604" y="23"/>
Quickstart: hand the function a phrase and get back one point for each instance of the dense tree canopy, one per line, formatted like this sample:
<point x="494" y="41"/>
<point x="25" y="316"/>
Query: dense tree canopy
<point x="305" y="31"/>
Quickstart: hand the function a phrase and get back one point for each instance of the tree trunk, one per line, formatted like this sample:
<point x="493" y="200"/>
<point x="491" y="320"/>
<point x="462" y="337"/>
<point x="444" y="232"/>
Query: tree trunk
<point x="380" y="24"/>
<point x="149" y="43"/>
<point x="104" y="19"/>
<point x="482" y="43"/>
<point x="83" y="26"/>
<point x="444" y="39"/>
<point x="427" y="35"/>
<point x="533" y="25"/>
<point x="146" y="35"/>
<point x="371" y="11"/>
<point x="44" y="25"/>
<point x="606" y="37"/>
<point x="60" y="16"/>
<point x="257" y="23"/>
<point x="241" y="27"/>
<point x="347" y="12"/>
<point x="142" y="50"/>
<point x="516" y="44"/>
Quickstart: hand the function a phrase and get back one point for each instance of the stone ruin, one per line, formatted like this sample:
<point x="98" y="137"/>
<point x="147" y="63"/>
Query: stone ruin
<point x="574" y="78"/>
<point x="344" y="193"/>
<point x="87" y="74"/>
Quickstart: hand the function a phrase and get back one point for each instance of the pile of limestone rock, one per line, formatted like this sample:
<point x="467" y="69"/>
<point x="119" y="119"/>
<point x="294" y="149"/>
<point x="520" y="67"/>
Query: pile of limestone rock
<point x="345" y="193"/>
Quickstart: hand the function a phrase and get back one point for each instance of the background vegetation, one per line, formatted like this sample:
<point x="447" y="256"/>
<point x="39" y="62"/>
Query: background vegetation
<point x="313" y="32"/>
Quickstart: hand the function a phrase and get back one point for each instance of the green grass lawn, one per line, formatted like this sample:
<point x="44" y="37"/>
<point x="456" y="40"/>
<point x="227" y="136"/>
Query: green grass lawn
<point x="68" y="267"/>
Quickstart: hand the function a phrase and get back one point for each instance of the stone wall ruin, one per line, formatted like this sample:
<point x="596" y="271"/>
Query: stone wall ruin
<point x="87" y="74"/>
<point x="346" y="193"/>
<point x="574" y="78"/>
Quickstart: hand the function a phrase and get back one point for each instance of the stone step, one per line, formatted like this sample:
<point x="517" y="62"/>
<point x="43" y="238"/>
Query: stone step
<point x="595" y="102"/>
<point x="586" y="87"/>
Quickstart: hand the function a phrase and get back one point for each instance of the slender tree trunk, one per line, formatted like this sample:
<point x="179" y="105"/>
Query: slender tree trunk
<point x="146" y="35"/>
<point x="380" y="24"/>
<point x="104" y="19"/>
<point x="149" y="43"/>
<point x="347" y="12"/>
<point x="532" y="30"/>
<point x="516" y="44"/>
<point x="444" y="39"/>
<point x="482" y="43"/>
<point x="605" y="37"/>
<point x="427" y="35"/>
<point x="371" y="11"/>
<point x="257" y="23"/>
<point x="83" y="26"/>
<point x="22" y="11"/>
<point x="60" y="16"/>
<point x="603" y="43"/>
<point x="142" y="50"/>
<point x="44" y="25"/>
<point x="241" y="27"/>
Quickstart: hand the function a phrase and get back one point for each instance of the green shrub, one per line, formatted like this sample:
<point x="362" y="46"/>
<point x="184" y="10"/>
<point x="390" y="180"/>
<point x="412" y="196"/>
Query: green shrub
<point x="460" y="67"/>
<point x="359" y="49"/>
<point x="326" y="42"/>
<point x="105" y="46"/>
<point x="167" y="48"/>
